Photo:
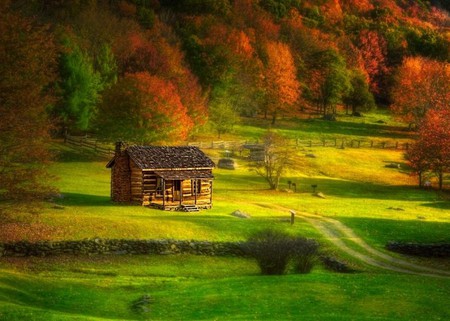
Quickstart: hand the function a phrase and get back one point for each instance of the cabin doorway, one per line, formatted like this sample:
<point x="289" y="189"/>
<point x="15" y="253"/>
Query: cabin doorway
<point x="177" y="190"/>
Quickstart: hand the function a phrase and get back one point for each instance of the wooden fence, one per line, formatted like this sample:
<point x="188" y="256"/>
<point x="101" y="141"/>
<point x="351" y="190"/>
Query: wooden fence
<point x="90" y="144"/>
<point x="107" y="151"/>
<point x="337" y="143"/>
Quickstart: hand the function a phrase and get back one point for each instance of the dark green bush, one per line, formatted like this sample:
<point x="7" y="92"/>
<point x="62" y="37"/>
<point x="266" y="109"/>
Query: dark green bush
<point x="274" y="249"/>
<point x="304" y="254"/>
<point x="271" y="249"/>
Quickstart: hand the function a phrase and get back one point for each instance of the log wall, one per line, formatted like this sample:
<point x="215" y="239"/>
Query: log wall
<point x="136" y="183"/>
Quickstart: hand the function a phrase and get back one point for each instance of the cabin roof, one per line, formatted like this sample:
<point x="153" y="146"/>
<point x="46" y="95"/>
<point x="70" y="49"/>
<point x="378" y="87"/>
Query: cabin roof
<point x="167" y="157"/>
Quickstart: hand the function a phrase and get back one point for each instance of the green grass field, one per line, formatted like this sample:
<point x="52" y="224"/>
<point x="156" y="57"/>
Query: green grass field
<point x="360" y="192"/>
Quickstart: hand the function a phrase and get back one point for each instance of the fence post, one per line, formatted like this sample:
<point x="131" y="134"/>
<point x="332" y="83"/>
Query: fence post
<point x="335" y="142"/>
<point x="371" y="144"/>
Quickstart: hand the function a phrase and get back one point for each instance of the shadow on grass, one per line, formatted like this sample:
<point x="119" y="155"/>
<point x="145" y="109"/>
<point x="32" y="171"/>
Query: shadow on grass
<point x="66" y="154"/>
<point x="443" y="205"/>
<point x="381" y="231"/>
<point x="355" y="189"/>
<point x="77" y="199"/>
<point x="339" y="128"/>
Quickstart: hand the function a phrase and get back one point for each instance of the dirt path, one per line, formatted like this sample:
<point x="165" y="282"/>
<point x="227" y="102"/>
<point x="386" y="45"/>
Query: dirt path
<point x="336" y="232"/>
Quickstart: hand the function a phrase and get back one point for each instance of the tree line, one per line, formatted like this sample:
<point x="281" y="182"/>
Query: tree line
<point x="152" y="71"/>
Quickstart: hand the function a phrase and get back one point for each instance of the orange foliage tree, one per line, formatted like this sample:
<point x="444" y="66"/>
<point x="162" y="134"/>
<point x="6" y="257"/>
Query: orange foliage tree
<point x="431" y="152"/>
<point x="143" y="108"/>
<point x="282" y="86"/>
<point x="28" y="59"/>
<point x="373" y="49"/>
<point x="421" y="84"/>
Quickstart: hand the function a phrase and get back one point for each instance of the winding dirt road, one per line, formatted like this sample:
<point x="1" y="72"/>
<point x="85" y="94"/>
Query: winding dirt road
<point x="341" y="235"/>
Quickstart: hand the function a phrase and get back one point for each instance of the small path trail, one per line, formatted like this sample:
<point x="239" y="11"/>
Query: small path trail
<point x="336" y="232"/>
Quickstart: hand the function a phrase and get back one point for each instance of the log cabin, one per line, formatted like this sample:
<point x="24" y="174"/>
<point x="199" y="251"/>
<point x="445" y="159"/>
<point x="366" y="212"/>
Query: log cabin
<point x="165" y="177"/>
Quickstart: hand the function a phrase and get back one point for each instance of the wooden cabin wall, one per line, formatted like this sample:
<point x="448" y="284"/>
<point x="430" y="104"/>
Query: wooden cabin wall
<point x="120" y="179"/>
<point x="136" y="182"/>
<point x="205" y="195"/>
<point x="148" y="186"/>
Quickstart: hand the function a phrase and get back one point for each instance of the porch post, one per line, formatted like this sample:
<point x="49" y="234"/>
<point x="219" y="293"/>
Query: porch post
<point x="164" y="192"/>
<point x="181" y="191"/>
<point x="195" y="181"/>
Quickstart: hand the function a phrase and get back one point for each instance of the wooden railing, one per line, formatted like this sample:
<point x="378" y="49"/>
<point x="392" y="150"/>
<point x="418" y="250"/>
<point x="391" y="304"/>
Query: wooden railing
<point x="92" y="144"/>
<point x="107" y="150"/>
<point x="337" y="143"/>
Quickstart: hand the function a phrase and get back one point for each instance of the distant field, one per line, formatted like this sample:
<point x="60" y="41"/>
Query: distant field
<point x="378" y="203"/>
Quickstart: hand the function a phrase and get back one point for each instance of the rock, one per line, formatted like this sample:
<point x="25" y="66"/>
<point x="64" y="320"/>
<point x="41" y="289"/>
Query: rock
<point x="227" y="163"/>
<point x="240" y="214"/>
<point x="380" y="122"/>
<point x="421" y="217"/>
<point x="357" y="114"/>
<point x="395" y="208"/>
<point x="319" y="194"/>
<point x="58" y="207"/>
<point x="392" y="165"/>
<point x="311" y="155"/>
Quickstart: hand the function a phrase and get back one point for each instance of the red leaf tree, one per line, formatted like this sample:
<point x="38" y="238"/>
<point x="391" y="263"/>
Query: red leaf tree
<point x="421" y="84"/>
<point x="145" y="109"/>
<point x="431" y="152"/>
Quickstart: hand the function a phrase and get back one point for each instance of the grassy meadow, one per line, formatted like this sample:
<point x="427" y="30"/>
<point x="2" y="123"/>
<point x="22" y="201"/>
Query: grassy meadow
<point x="378" y="203"/>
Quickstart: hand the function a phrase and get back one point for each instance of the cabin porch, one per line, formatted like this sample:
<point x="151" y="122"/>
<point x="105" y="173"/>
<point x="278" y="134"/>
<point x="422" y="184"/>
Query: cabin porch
<point x="175" y="189"/>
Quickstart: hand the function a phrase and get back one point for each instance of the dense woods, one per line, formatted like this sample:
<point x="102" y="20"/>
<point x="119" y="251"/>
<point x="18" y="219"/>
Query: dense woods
<point x="153" y="71"/>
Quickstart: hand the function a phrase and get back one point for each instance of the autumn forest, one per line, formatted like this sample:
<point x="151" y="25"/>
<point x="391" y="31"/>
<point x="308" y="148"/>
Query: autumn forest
<point x="152" y="71"/>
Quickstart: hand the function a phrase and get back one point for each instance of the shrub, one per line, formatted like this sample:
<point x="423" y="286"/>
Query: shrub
<point x="274" y="249"/>
<point x="304" y="253"/>
<point x="271" y="249"/>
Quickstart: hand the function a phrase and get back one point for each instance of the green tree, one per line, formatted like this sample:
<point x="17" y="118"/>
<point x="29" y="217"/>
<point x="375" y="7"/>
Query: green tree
<point x="81" y="86"/>
<point x="358" y="97"/>
<point x="106" y="66"/>
<point x="330" y="80"/>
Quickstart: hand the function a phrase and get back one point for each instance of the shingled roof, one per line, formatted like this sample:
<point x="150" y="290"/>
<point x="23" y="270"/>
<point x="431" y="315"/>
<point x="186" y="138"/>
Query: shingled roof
<point x="167" y="157"/>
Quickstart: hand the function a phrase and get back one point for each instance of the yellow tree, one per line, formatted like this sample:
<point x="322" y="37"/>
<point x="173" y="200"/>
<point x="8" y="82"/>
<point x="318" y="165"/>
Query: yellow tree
<point x="282" y="86"/>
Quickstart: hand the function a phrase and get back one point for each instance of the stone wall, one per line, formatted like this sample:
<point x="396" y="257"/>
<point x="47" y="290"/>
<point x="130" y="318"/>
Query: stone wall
<point x="121" y="178"/>
<point x="426" y="250"/>
<point x="121" y="247"/>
